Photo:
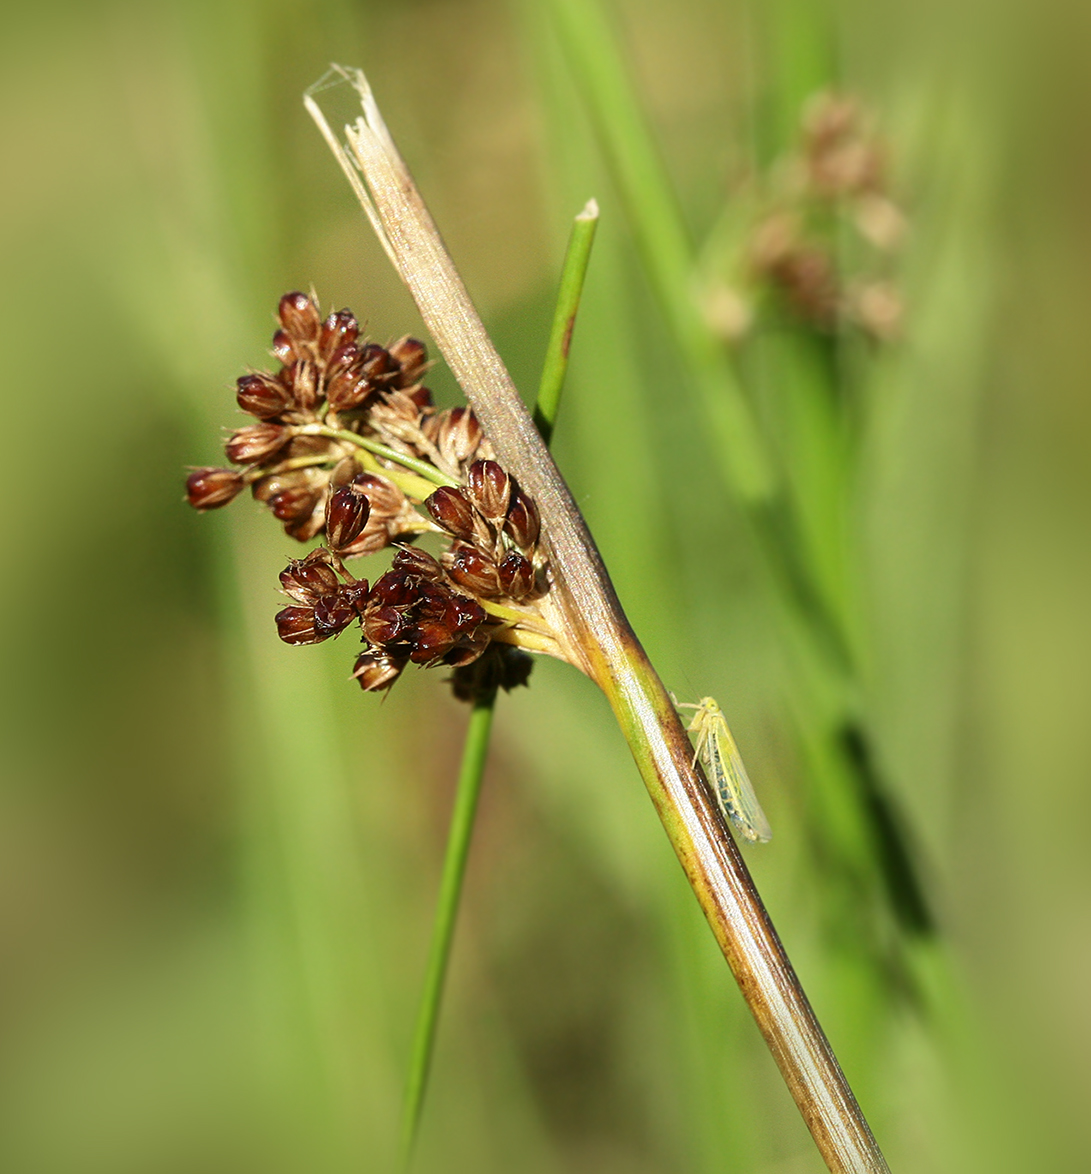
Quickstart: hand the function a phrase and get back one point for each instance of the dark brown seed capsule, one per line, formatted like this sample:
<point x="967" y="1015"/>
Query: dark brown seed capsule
<point x="293" y="505"/>
<point x="515" y="667"/>
<point x="411" y="356"/>
<point x="472" y="570"/>
<point x="208" y="489"/>
<point x="393" y="590"/>
<point x="516" y="575"/>
<point x="347" y="355"/>
<point x="282" y="348"/>
<point x="489" y="488"/>
<point x="295" y="625"/>
<point x="332" y="615"/>
<point x="420" y="396"/>
<point x="431" y="640"/>
<point x="502" y="667"/>
<point x="464" y="614"/>
<point x="387" y="500"/>
<point x="308" y="580"/>
<point x="452" y="510"/>
<point x="262" y="395"/>
<point x="304" y="529"/>
<point x="466" y="651"/>
<point x="337" y="330"/>
<point x="299" y="317"/>
<point x="347" y="390"/>
<point x="385" y="625"/>
<point x="418" y="562"/>
<point x="375" y="362"/>
<point x="256" y="442"/>
<point x="355" y="595"/>
<point x="376" y="670"/>
<point x="523" y="525"/>
<point x="346" y="515"/>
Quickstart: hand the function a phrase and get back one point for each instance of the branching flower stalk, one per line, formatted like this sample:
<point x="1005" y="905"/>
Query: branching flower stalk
<point x="348" y="445"/>
<point x="576" y="616"/>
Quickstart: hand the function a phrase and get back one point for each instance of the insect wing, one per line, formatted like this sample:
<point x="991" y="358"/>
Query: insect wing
<point x="732" y="783"/>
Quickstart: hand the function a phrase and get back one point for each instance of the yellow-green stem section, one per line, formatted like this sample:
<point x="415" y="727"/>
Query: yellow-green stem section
<point x="725" y="890"/>
<point x="419" y="486"/>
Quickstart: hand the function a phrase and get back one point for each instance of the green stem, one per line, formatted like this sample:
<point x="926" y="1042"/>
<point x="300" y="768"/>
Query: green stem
<point x="573" y="273"/>
<point x="476" y="746"/>
<point x="427" y="475"/>
<point x="470" y="775"/>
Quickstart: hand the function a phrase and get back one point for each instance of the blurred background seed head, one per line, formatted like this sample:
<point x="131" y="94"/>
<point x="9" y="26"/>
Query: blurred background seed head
<point x="218" y="858"/>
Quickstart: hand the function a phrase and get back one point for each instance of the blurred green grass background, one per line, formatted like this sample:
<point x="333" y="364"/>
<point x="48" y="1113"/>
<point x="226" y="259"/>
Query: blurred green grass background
<point x="218" y="859"/>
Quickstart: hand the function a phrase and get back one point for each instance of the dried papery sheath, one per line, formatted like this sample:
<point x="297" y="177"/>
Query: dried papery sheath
<point x="386" y="190"/>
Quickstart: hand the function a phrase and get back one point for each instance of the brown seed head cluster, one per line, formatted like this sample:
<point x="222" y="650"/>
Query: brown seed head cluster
<point x="837" y="175"/>
<point x="839" y="156"/>
<point x="821" y="246"/>
<point x="495" y="527"/>
<point x="349" y="445"/>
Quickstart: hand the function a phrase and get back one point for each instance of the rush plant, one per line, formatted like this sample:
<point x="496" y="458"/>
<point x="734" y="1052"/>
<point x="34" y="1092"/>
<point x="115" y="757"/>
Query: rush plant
<point x="348" y="445"/>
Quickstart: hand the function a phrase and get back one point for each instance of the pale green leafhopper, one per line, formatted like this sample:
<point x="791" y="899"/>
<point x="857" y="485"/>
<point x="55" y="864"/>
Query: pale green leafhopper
<point x="719" y="755"/>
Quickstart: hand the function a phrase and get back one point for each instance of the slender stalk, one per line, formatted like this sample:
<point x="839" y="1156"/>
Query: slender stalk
<point x="607" y="649"/>
<point x="573" y="273"/>
<point x="426" y="475"/>
<point x="475" y="748"/>
<point x="470" y="775"/>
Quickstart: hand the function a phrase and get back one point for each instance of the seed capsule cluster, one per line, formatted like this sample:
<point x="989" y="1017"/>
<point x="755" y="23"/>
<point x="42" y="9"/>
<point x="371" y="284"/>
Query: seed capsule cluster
<point x="464" y="609"/>
<point x="822" y="248"/>
<point x="495" y="527"/>
<point x="838" y="171"/>
<point x="330" y="379"/>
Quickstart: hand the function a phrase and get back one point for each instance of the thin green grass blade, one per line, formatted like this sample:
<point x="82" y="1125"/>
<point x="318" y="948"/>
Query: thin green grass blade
<point x="573" y="273"/>
<point x="476" y="746"/>
<point x="471" y="773"/>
